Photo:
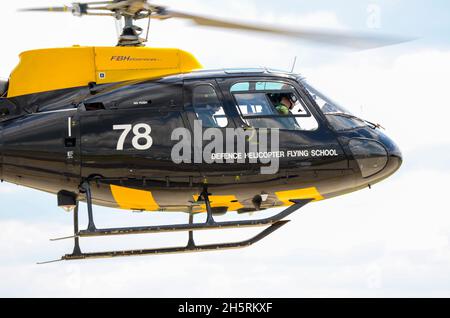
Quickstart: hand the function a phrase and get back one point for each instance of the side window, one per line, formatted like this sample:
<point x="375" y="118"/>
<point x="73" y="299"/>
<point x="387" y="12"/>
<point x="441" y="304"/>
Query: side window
<point x="208" y="107"/>
<point x="257" y="111"/>
<point x="272" y="105"/>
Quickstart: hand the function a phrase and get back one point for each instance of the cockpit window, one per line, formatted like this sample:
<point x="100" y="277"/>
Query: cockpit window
<point x="327" y="105"/>
<point x="272" y="105"/>
<point x="255" y="104"/>
<point x="208" y="107"/>
<point x="339" y="117"/>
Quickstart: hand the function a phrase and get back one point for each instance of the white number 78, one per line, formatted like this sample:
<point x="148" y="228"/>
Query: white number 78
<point x="138" y="135"/>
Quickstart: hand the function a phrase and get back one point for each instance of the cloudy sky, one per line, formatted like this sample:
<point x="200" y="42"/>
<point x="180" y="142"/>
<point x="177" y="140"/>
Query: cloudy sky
<point x="392" y="240"/>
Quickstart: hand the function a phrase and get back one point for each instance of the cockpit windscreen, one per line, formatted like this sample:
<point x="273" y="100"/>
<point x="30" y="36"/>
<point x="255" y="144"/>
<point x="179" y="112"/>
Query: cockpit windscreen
<point x="339" y="117"/>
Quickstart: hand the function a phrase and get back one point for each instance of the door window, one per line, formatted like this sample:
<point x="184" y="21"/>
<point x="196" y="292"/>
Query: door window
<point x="272" y="105"/>
<point x="208" y="107"/>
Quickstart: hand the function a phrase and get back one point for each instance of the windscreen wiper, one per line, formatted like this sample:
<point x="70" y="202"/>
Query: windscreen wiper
<point x="369" y="123"/>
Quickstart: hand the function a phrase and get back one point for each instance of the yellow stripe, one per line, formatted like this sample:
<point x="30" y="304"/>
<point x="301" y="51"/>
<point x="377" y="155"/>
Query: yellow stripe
<point x="309" y="193"/>
<point x="220" y="201"/>
<point x="132" y="199"/>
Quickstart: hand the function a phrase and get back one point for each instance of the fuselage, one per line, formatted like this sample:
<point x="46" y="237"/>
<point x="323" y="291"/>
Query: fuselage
<point x="121" y="138"/>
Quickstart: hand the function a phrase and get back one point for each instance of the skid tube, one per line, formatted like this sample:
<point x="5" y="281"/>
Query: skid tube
<point x="273" y="224"/>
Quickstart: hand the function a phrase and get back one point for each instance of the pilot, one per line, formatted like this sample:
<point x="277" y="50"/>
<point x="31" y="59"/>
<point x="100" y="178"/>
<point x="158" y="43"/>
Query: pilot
<point x="285" y="105"/>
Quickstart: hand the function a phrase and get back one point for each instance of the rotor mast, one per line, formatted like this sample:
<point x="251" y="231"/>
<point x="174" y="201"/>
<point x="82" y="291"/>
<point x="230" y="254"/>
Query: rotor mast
<point x="130" y="33"/>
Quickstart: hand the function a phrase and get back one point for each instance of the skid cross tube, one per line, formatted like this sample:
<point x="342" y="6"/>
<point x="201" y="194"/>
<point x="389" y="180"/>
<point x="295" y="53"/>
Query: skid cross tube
<point x="205" y="196"/>
<point x="191" y="241"/>
<point x="86" y="188"/>
<point x="76" y="248"/>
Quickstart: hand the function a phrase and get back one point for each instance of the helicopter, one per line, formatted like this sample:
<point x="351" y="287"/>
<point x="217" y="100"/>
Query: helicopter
<point x="148" y="130"/>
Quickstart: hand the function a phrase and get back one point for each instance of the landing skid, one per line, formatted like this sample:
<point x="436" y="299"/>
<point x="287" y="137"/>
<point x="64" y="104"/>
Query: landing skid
<point x="179" y="250"/>
<point x="274" y="223"/>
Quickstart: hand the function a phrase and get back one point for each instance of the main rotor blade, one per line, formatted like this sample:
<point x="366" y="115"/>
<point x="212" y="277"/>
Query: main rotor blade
<point x="48" y="9"/>
<point x="77" y="9"/>
<point x="337" y="38"/>
<point x="128" y="7"/>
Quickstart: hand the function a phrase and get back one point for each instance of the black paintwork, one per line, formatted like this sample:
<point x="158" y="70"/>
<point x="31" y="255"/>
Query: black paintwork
<point x="35" y="142"/>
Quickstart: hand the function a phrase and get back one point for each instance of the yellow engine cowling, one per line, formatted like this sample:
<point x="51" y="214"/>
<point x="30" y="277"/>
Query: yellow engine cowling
<point x="52" y="69"/>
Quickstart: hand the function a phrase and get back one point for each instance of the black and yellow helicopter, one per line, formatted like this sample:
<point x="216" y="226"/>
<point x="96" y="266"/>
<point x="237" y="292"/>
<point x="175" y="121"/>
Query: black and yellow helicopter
<point x="129" y="127"/>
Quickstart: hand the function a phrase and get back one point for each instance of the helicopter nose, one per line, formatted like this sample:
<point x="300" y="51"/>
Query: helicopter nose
<point x="395" y="156"/>
<point x="377" y="159"/>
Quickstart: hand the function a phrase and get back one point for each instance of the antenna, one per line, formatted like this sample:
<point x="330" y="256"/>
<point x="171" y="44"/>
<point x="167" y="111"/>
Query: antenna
<point x="293" y="64"/>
